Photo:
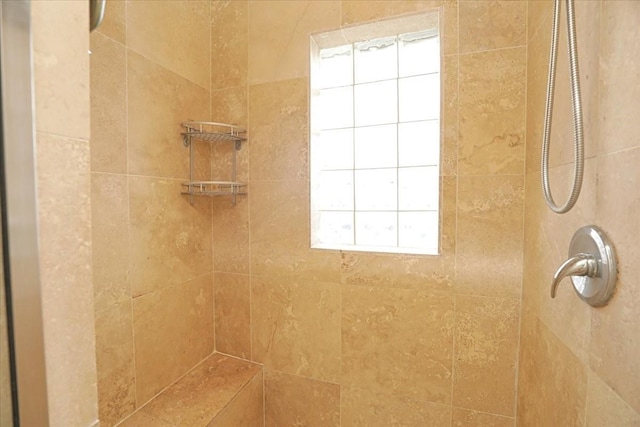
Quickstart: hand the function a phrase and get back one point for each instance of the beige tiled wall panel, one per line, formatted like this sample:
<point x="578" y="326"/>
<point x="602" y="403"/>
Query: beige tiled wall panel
<point x="398" y="341"/>
<point x="229" y="59"/>
<point x="173" y="331"/>
<point x="174" y="34"/>
<point x="111" y="243"/>
<point x="278" y="36"/>
<point x="233" y="314"/>
<point x="500" y="24"/>
<point x="296" y="326"/>
<point x="363" y="337"/>
<point x="492" y="91"/>
<point x="153" y="255"/>
<point x="291" y="400"/>
<point x="109" y="105"/>
<point x="170" y="238"/>
<point x="590" y="353"/>
<point x="363" y="407"/>
<point x="60" y="42"/>
<point x="115" y="363"/>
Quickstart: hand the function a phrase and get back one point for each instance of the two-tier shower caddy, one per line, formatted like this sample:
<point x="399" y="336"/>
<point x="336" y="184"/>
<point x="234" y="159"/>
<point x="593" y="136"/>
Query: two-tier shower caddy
<point x="214" y="133"/>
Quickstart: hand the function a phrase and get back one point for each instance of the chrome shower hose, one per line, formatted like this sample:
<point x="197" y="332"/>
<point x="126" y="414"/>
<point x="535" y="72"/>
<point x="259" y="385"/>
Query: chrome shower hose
<point x="577" y="110"/>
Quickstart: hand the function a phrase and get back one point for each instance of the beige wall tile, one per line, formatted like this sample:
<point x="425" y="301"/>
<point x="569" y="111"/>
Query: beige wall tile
<point x="229" y="44"/>
<point x="605" y="407"/>
<point x="615" y="334"/>
<point x="174" y="34"/>
<point x="296" y="326"/>
<point x="173" y="330"/>
<point x="230" y="106"/>
<point x="492" y="112"/>
<point x="619" y="53"/>
<point x="159" y="101"/>
<point x="231" y="235"/>
<point x="115" y="363"/>
<point x="449" y="138"/>
<point x="279" y="36"/>
<point x="566" y="315"/>
<point x="110" y="235"/>
<point x="486" y="25"/>
<point x="362" y="407"/>
<point x="170" y="238"/>
<point x="108" y="105"/>
<point x="114" y="24"/>
<point x="357" y="11"/>
<point x="539" y="15"/>
<point x="537" y="76"/>
<point x="291" y="400"/>
<point x="246" y="409"/>
<point x="279" y="215"/>
<point x="465" y="418"/>
<point x="486" y="351"/>
<point x="490" y="235"/>
<point x="398" y="342"/>
<point x="450" y="36"/>
<point x="562" y="132"/>
<point x="552" y="383"/>
<point x="397" y="271"/>
<point x="61" y="68"/>
<point x="233" y="314"/>
<point x="279" y="130"/>
<point x="64" y="222"/>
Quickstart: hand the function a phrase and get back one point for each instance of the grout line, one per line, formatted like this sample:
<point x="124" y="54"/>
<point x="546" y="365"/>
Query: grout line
<point x="61" y="136"/>
<point x="128" y="194"/>
<point x="524" y="210"/>
<point x="174" y="285"/>
<point x="455" y="257"/>
<point x="519" y="46"/>
<point x="483" y="412"/>
<point x="165" y="67"/>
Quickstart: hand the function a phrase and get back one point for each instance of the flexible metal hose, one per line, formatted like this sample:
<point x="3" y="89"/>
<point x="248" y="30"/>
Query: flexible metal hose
<point x="576" y="103"/>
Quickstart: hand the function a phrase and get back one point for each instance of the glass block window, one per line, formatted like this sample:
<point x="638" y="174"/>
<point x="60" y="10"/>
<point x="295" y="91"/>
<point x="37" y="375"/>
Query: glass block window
<point x="375" y="140"/>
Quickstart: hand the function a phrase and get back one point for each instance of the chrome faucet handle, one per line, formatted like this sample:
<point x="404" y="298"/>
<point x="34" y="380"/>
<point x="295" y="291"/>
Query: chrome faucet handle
<point x="578" y="265"/>
<point x="591" y="266"/>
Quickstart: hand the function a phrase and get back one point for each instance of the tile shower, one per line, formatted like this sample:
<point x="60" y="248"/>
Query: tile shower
<point x="468" y="338"/>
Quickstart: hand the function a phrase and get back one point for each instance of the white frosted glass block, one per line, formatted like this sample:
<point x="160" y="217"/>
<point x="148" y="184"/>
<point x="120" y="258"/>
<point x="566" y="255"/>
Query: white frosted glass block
<point x="376" y="228"/>
<point x="333" y="149"/>
<point x="376" y="146"/>
<point x="420" y="98"/>
<point x="335" y="191"/>
<point x="336" y="67"/>
<point x="335" y="108"/>
<point x="376" y="60"/>
<point x="376" y="190"/>
<point x="376" y="103"/>
<point x="418" y="188"/>
<point x="336" y="228"/>
<point x="419" y="53"/>
<point x="419" y="143"/>
<point x="418" y="230"/>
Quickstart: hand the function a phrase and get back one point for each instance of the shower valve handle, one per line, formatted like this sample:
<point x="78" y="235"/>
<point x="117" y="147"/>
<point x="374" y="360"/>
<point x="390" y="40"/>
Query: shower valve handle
<point x="578" y="265"/>
<point x="591" y="265"/>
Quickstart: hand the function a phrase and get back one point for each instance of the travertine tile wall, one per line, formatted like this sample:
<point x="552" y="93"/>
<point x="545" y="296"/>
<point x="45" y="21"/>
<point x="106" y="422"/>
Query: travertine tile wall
<point x="356" y="338"/>
<point x="579" y="365"/>
<point x="61" y="92"/>
<point x="153" y="255"/>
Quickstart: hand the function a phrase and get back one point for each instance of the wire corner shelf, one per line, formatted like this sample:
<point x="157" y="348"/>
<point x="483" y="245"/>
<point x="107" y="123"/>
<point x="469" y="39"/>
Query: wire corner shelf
<point x="213" y="132"/>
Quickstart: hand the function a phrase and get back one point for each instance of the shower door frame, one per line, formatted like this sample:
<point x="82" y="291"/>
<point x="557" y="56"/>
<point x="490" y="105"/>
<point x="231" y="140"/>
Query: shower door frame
<point x="18" y="192"/>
